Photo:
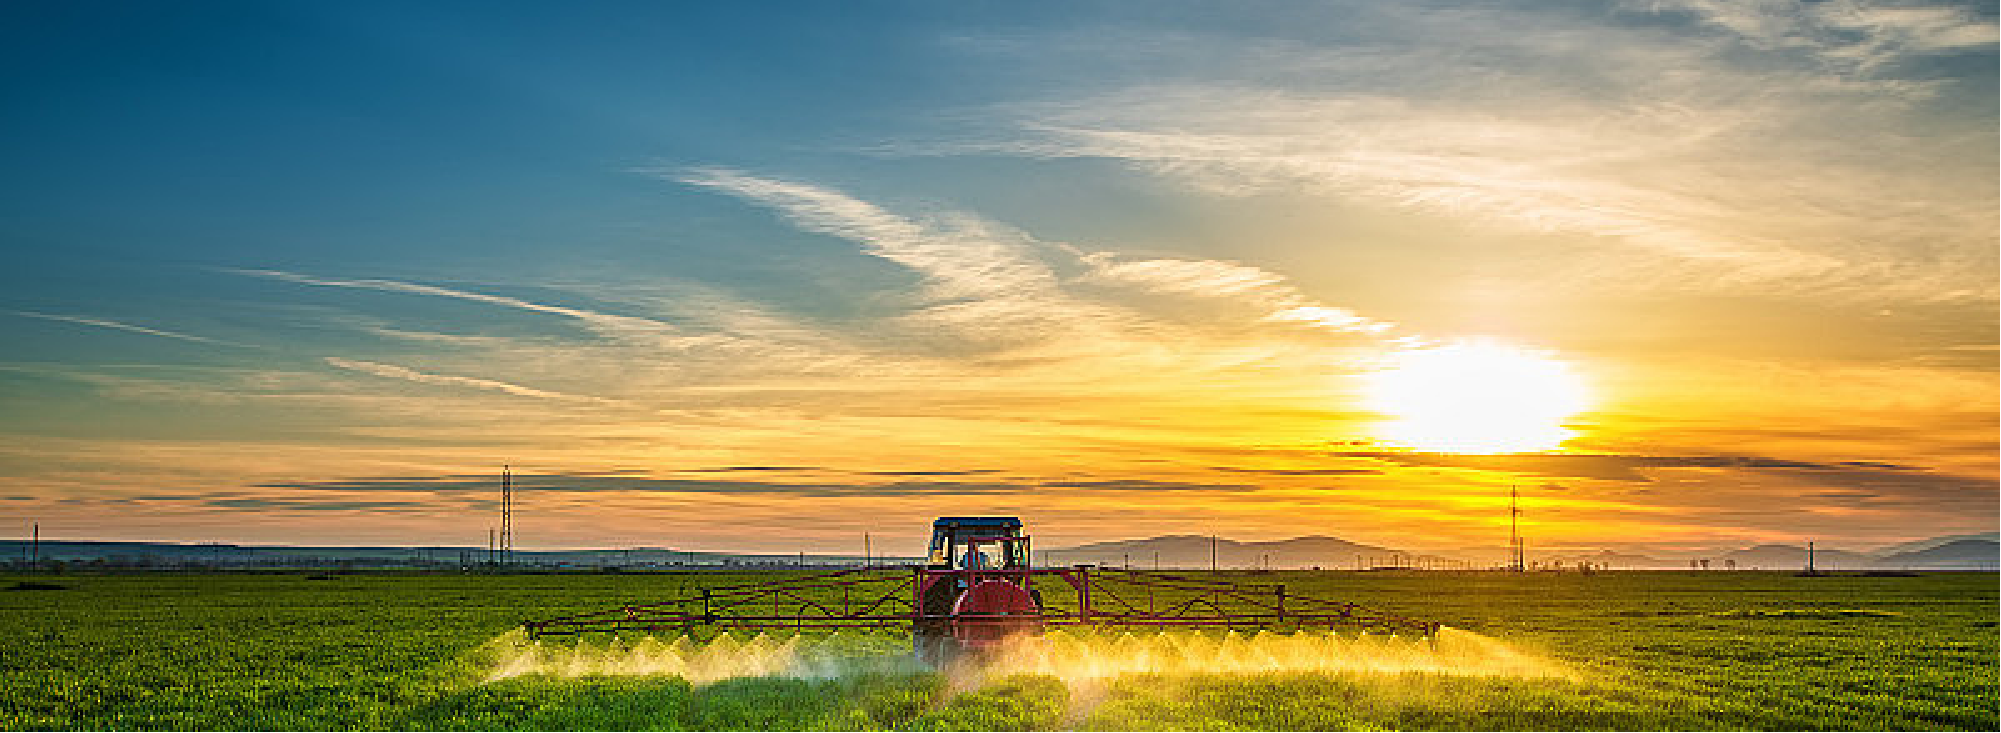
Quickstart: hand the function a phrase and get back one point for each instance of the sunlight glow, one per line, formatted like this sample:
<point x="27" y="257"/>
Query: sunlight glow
<point x="1476" y="396"/>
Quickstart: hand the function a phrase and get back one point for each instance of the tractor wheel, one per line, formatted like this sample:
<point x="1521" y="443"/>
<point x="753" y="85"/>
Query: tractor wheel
<point x="931" y="638"/>
<point x="938" y="598"/>
<point x="936" y="648"/>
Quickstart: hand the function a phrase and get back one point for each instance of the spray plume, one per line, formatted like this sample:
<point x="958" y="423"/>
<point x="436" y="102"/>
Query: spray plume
<point x="1083" y="657"/>
<point x="1079" y="659"/>
<point x="702" y="662"/>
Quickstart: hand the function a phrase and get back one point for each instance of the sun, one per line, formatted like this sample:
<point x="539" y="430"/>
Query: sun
<point x="1475" y="396"/>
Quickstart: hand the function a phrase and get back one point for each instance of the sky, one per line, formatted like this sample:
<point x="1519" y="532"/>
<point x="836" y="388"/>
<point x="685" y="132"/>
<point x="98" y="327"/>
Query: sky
<point x="1687" y="274"/>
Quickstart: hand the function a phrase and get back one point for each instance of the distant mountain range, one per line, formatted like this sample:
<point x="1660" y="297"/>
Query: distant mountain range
<point x="1610" y="559"/>
<point x="1193" y="551"/>
<point x="1943" y="553"/>
<point x="166" y="554"/>
<point x="1955" y="552"/>
<point x="1790" y="557"/>
<point x="1961" y="552"/>
<point x="1934" y="542"/>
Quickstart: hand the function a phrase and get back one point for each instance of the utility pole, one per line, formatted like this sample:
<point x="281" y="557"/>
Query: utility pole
<point x="1514" y="529"/>
<point x="868" y="552"/>
<point x="35" y="547"/>
<point x="1809" y="558"/>
<point x="506" y="514"/>
<point x="1212" y="553"/>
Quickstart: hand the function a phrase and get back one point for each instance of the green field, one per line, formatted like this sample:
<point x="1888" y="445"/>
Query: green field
<point x="1638" y="651"/>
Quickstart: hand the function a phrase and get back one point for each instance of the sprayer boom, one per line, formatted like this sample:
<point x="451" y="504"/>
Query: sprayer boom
<point x="978" y="589"/>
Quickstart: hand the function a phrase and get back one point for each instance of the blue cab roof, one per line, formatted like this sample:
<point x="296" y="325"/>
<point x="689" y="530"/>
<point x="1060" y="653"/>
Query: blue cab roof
<point x="978" y="522"/>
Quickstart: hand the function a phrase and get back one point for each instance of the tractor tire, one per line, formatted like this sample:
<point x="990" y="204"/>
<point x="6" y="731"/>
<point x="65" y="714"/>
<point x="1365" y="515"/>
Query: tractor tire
<point x="939" y="597"/>
<point x="937" y="650"/>
<point x="931" y="638"/>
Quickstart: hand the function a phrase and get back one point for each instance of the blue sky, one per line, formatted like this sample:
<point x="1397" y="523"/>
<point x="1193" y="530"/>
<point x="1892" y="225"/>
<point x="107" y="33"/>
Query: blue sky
<point x="1099" y="255"/>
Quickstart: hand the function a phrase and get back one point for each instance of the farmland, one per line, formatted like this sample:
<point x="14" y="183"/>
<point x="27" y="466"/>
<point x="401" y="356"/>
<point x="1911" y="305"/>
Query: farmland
<point x="1630" y="651"/>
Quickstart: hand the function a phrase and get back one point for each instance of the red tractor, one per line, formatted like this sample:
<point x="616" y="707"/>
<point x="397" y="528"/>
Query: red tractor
<point x="976" y="588"/>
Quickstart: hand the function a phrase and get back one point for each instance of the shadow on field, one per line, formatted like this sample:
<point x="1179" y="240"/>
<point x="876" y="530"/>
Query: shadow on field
<point x="32" y="585"/>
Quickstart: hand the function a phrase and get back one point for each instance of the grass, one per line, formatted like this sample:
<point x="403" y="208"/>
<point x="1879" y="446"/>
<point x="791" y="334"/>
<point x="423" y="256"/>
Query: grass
<point x="1737" y="651"/>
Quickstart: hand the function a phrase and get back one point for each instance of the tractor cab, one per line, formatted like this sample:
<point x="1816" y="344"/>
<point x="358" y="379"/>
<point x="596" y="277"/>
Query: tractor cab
<point x="978" y="544"/>
<point x="975" y="589"/>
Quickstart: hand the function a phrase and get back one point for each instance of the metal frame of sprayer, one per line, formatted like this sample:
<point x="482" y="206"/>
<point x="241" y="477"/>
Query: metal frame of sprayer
<point x="960" y="601"/>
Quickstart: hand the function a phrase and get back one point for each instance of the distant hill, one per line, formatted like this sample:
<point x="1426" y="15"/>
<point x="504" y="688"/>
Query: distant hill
<point x="1934" y="542"/>
<point x="1615" y="560"/>
<point x="1975" y="554"/>
<point x="167" y="554"/>
<point x="1192" y="551"/>
<point x="1788" y="557"/>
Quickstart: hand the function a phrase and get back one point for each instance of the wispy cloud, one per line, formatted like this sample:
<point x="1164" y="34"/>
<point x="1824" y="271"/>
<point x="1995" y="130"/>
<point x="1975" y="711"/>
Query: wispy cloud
<point x="1638" y="153"/>
<point x="392" y="371"/>
<point x="562" y="483"/>
<point x="306" y="505"/>
<point x="997" y="282"/>
<point x="983" y="281"/>
<point x="1853" y="35"/>
<point x="622" y="326"/>
<point x="1629" y="467"/>
<point x="963" y="257"/>
<point x="1264" y="290"/>
<point x="105" y="323"/>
